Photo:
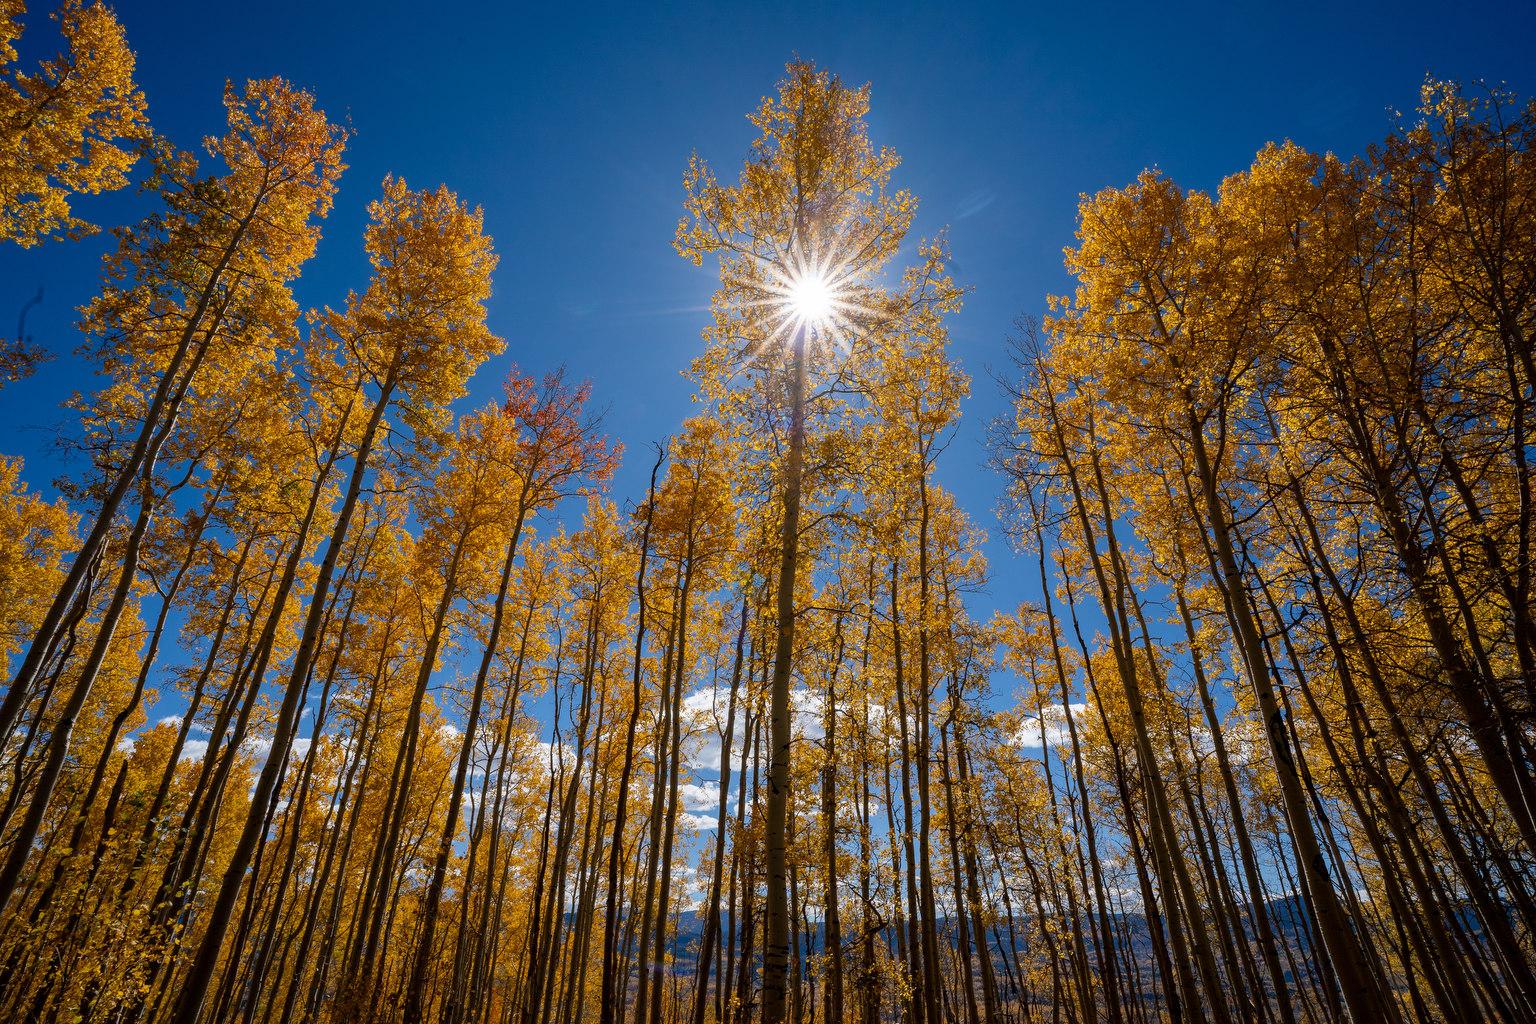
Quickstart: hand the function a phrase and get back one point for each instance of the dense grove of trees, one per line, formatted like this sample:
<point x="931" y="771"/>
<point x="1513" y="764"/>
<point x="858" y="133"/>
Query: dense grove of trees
<point x="331" y="700"/>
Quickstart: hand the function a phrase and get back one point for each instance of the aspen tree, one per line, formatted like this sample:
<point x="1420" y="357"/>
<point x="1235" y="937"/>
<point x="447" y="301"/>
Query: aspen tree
<point x="72" y="127"/>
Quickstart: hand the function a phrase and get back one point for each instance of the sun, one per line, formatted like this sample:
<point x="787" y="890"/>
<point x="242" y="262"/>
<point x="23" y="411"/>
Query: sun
<point x="814" y="293"/>
<point x="817" y="295"/>
<point x="811" y="298"/>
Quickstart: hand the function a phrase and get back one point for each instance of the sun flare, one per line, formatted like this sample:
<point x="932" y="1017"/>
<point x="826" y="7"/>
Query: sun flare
<point x="811" y="298"/>
<point x="820" y="294"/>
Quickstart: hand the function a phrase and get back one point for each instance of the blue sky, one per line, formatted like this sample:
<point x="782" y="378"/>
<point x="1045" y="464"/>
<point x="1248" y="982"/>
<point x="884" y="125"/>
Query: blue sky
<point x="571" y="125"/>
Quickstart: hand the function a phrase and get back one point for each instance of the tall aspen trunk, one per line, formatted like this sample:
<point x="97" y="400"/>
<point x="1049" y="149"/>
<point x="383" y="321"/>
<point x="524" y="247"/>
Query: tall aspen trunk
<point x="710" y="938"/>
<point x="776" y="864"/>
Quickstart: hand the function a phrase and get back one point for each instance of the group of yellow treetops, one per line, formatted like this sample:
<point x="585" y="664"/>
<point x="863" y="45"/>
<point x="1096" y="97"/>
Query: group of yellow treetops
<point x="329" y="698"/>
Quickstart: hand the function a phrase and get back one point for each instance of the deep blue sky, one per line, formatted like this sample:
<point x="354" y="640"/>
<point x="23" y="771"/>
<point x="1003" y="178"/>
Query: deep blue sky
<point x="571" y="126"/>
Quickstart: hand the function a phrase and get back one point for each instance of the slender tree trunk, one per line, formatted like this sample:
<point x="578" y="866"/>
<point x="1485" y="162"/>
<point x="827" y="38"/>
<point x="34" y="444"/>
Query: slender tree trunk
<point x="711" y="934"/>
<point x="776" y="864"/>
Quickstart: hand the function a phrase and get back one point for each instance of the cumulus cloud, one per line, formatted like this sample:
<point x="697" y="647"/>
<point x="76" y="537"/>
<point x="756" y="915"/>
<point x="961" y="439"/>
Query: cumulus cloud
<point x="554" y="755"/>
<point x="706" y="711"/>
<point x="257" y="747"/>
<point x="174" y="722"/>
<point x="707" y="708"/>
<point x="1028" y="734"/>
<point x="703" y="796"/>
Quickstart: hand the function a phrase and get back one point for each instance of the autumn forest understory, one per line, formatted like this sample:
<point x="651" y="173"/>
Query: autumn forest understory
<point x="330" y="698"/>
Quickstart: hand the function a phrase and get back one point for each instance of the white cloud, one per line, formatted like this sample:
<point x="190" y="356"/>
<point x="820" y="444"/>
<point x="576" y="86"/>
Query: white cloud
<point x="707" y="706"/>
<point x="706" y="709"/>
<point x="1027" y="735"/>
<point x="257" y="747"/>
<point x="703" y="796"/>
